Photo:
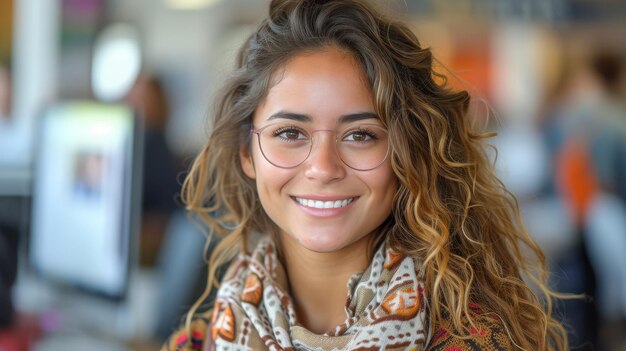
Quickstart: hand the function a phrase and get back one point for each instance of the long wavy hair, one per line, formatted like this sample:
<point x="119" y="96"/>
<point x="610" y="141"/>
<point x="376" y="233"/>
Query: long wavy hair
<point x="450" y="210"/>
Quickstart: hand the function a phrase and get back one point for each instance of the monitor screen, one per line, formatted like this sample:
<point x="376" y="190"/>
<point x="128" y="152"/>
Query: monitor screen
<point x="84" y="196"/>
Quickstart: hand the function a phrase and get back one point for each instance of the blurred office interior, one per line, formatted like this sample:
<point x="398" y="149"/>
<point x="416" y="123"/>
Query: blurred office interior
<point x="104" y="103"/>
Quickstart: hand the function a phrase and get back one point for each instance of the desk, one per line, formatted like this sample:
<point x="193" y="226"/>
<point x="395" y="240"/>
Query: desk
<point x="70" y="319"/>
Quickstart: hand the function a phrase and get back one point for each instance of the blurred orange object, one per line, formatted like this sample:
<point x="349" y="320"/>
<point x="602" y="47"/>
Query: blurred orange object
<point x="576" y="177"/>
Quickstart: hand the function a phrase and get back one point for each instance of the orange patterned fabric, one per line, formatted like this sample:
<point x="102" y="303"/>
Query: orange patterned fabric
<point x="385" y="310"/>
<point x="223" y="322"/>
<point x="253" y="290"/>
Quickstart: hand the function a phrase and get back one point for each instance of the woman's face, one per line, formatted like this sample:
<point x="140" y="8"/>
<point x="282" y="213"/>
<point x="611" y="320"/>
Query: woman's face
<point x="324" y="91"/>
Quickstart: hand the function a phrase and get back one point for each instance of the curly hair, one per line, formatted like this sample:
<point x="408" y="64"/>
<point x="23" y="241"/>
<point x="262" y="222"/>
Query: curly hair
<point x="450" y="210"/>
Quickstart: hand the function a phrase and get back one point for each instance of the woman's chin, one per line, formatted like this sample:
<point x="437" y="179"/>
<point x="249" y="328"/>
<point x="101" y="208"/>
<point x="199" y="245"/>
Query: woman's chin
<point x="325" y="242"/>
<point x="322" y="247"/>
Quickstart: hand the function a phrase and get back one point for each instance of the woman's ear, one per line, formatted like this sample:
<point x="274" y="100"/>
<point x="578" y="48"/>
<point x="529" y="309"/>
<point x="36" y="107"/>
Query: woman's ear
<point x="246" y="161"/>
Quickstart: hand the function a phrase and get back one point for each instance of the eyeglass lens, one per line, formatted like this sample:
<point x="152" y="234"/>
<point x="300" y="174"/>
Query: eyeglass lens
<point x="361" y="147"/>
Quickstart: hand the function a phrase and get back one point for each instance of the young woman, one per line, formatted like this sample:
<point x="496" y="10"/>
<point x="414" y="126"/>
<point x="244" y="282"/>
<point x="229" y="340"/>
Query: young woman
<point x="357" y="209"/>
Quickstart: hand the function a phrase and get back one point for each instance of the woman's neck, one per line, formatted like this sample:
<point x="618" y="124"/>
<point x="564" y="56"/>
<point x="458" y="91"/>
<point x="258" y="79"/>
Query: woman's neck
<point x="318" y="281"/>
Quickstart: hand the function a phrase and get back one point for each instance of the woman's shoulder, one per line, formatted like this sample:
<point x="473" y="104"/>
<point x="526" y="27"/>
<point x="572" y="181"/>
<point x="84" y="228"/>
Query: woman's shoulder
<point x="488" y="333"/>
<point x="199" y="329"/>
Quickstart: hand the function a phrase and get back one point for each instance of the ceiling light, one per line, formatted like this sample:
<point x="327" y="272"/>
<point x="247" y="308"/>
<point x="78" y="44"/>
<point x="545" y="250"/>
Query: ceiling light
<point x="190" y="4"/>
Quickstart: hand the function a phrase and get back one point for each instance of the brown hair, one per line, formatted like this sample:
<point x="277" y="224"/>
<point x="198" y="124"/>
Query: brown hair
<point x="450" y="209"/>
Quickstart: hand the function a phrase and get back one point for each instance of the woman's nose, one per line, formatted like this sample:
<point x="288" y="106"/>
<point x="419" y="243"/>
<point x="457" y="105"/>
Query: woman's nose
<point x="324" y="163"/>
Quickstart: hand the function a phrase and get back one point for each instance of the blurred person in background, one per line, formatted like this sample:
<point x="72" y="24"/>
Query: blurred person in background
<point x="161" y="167"/>
<point x="586" y="134"/>
<point x="5" y="92"/>
<point x="602" y="115"/>
<point x="358" y="209"/>
<point x="8" y="234"/>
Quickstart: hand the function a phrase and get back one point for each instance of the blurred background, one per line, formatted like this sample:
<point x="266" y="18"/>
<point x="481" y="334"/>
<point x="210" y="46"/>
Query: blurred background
<point x="103" y="103"/>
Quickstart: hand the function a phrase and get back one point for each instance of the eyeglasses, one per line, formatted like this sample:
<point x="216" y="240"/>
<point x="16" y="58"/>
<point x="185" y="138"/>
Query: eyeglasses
<point x="361" y="147"/>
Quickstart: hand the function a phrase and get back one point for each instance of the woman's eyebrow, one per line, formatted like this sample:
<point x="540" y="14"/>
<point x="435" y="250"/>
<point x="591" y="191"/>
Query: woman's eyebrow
<point x="352" y="117"/>
<point x="290" y="115"/>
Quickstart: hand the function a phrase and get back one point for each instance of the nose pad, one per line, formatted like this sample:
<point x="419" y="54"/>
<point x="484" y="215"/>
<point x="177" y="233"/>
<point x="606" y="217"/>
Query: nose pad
<point x="324" y="162"/>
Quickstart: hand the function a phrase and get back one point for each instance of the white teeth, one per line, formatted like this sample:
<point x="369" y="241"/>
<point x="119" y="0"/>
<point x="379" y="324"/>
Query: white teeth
<point x="323" y="204"/>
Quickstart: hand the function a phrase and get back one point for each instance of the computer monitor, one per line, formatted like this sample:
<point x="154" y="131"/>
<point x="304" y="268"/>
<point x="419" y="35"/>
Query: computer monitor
<point x="85" y="192"/>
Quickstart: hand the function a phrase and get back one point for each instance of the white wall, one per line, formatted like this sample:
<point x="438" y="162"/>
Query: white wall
<point x="188" y="48"/>
<point x="34" y="84"/>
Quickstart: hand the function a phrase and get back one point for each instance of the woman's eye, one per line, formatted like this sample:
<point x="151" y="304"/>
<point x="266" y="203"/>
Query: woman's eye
<point x="358" y="136"/>
<point x="290" y="134"/>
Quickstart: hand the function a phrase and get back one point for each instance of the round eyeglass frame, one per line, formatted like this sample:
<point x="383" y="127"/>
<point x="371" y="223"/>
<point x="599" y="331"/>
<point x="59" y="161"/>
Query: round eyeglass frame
<point x="258" y="132"/>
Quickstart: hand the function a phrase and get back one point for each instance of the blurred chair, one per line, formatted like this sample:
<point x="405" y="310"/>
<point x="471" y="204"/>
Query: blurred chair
<point x="606" y="228"/>
<point x="8" y="271"/>
<point x="160" y="166"/>
<point x="182" y="272"/>
<point x="17" y="332"/>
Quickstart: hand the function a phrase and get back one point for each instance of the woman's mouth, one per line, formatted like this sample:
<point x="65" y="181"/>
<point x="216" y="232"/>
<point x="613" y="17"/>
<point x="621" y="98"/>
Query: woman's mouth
<point x="320" y="204"/>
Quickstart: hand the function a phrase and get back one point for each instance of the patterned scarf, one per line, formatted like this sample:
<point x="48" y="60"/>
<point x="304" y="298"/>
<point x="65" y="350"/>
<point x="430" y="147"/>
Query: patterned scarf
<point x="385" y="309"/>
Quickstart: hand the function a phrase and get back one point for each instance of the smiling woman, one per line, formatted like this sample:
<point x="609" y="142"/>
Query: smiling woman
<point x="317" y="149"/>
<point x="357" y="209"/>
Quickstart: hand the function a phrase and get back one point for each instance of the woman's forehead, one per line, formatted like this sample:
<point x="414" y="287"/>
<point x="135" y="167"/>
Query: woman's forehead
<point x="327" y="82"/>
